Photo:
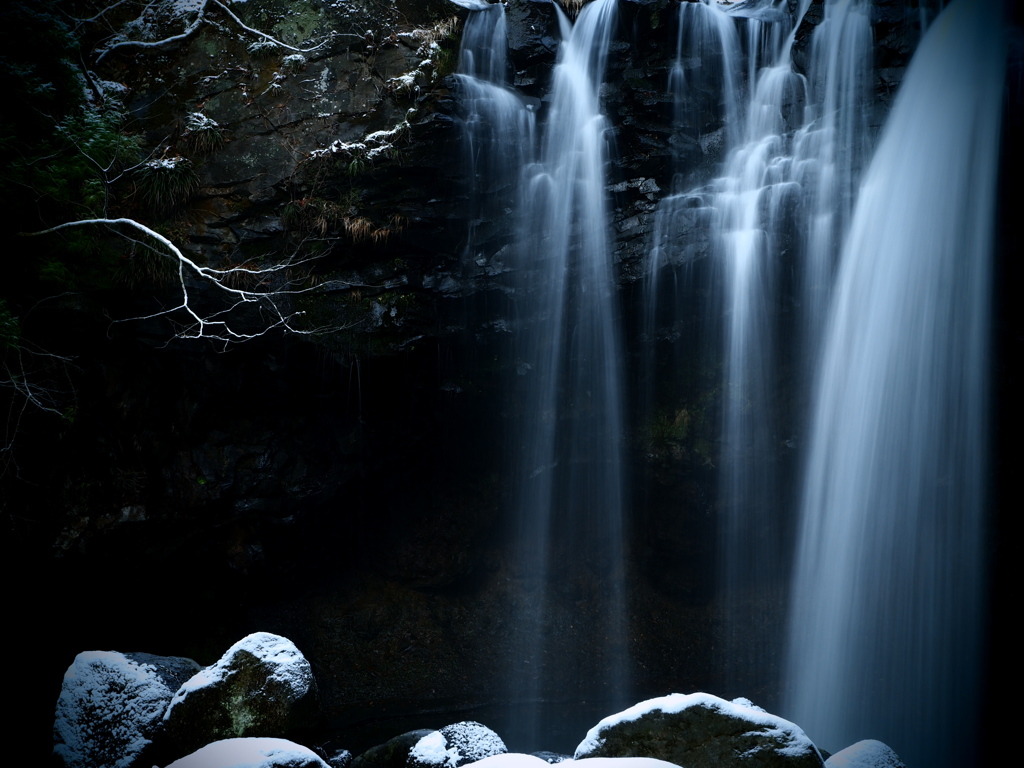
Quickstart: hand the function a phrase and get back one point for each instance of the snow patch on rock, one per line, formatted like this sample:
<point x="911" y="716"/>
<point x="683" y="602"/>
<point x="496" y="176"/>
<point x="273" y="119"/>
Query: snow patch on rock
<point x="473" y="741"/>
<point x="110" y="706"/>
<point x="251" y="753"/>
<point x="865" y="754"/>
<point x="433" y="750"/>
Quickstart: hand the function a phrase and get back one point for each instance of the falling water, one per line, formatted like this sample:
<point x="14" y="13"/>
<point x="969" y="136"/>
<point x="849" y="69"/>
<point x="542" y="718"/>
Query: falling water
<point x="774" y="214"/>
<point x="497" y="130"/>
<point x="569" y="485"/>
<point x="705" y="89"/>
<point x="548" y="204"/>
<point x="829" y="152"/>
<point x="887" y="595"/>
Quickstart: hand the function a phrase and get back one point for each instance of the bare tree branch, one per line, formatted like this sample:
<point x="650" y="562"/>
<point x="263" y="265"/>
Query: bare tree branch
<point x="274" y="40"/>
<point x="199" y="20"/>
<point x="155" y="43"/>
<point x="268" y="299"/>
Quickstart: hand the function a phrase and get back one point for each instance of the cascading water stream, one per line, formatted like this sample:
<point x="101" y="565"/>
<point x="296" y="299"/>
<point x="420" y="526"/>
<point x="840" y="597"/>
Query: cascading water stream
<point x="497" y="127"/>
<point x="570" y="477"/>
<point x="567" y="475"/>
<point x="778" y="207"/>
<point x="828" y="154"/>
<point x="887" y="594"/>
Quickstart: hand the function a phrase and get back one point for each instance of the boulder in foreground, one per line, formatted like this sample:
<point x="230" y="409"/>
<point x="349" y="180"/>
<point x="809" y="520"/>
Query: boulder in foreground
<point x="111" y="706"/>
<point x="262" y="686"/>
<point x="699" y="731"/>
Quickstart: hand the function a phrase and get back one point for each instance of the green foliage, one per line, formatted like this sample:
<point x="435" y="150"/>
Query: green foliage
<point x="201" y="135"/>
<point x="263" y="49"/>
<point x="167" y="183"/>
<point x="447" y="61"/>
<point x="91" y="152"/>
<point x="445" y="34"/>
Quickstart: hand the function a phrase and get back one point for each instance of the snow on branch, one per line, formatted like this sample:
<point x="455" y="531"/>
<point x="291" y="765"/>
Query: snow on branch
<point x="224" y="326"/>
<point x="155" y="43"/>
<point x="274" y="40"/>
<point x="200" y="10"/>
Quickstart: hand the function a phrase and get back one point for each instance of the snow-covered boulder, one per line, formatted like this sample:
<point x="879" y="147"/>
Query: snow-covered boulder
<point x="432" y="751"/>
<point x="699" y="730"/>
<point x="865" y="754"/>
<point x="393" y="753"/>
<point x="251" y="753"/>
<point x="262" y="686"/>
<point x="472" y="741"/>
<point x="456" y="745"/>
<point x="112" y="704"/>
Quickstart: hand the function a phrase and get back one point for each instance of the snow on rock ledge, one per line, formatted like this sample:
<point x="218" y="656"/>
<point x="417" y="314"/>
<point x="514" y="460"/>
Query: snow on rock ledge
<point x="251" y="753"/>
<point x="262" y="686"/>
<point x="111" y="706"/>
<point x="699" y="730"/>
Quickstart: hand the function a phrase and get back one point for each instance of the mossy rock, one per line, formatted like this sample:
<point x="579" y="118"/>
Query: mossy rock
<point x="262" y="686"/>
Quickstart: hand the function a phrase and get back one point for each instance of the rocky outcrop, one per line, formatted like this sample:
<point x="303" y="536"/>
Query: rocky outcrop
<point x="699" y="731"/>
<point x="111" y="707"/>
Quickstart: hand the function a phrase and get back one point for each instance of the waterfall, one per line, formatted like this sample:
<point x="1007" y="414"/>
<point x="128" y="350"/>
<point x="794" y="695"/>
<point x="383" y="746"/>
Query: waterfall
<point x="497" y="129"/>
<point x="570" y="477"/>
<point x="829" y="152"/>
<point x="770" y="218"/>
<point x="566" y="463"/>
<point x="887" y="600"/>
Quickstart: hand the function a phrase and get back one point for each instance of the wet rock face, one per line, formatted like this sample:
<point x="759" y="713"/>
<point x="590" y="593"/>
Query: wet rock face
<point x="533" y="41"/>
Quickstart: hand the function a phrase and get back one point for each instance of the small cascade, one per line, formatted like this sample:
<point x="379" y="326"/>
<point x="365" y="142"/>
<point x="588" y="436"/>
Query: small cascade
<point x="569" y="483"/>
<point x="497" y="129"/>
<point x="704" y="81"/>
<point x="887" y="595"/>
<point x="749" y="200"/>
<point x="773" y="214"/>
<point x="829" y="152"/>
